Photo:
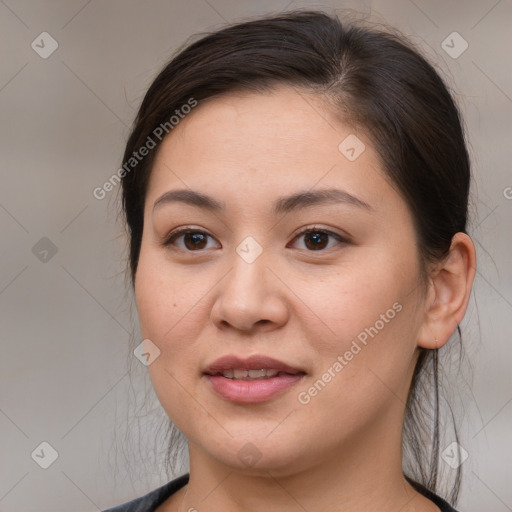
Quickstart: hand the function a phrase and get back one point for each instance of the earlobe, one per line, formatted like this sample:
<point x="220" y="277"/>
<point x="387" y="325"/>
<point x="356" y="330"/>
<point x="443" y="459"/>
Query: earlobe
<point x="450" y="288"/>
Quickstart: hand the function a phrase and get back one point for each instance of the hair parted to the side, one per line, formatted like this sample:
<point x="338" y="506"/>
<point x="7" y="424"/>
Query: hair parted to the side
<point x="372" y="79"/>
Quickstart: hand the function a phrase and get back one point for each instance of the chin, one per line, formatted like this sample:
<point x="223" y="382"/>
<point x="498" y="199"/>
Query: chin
<point x="260" y="455"/>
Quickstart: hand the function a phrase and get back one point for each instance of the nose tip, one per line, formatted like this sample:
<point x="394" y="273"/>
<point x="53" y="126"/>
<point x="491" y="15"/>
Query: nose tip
<point x="249" y="298"/>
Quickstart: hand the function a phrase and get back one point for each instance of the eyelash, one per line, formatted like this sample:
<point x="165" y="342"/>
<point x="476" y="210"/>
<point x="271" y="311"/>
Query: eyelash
<point x="172" y="237"/>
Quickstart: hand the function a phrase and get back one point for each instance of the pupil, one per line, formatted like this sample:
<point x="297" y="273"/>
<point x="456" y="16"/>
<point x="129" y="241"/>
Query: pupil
<point x="196" y="239"/>
<point x="317" y="239"/>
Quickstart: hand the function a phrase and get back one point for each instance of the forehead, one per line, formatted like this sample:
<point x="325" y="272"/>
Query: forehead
<point x="259" y="144"/>
<point x="246" y="121"/>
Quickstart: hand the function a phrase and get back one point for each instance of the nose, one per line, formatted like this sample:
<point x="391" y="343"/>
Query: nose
<point x="250" y="297"/>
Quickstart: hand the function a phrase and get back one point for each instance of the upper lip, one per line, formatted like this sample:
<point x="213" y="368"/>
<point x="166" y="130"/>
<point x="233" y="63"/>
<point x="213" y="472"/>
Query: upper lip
<point x="256" y="362"/>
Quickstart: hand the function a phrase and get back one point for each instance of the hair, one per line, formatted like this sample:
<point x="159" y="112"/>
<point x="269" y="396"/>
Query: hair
<point x="374" y="80"/>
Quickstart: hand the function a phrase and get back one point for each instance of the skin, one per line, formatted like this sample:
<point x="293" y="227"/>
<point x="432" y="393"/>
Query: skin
<point x="342" y="450"/>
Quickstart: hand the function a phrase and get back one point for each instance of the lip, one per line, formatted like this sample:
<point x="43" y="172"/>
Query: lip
<point x="256" y="362"/>
<point x="251" y="391"/>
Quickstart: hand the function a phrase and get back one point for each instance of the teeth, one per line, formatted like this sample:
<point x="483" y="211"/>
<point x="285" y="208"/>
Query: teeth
<point x="254" y="374"/>
<point x="242" y="374"/>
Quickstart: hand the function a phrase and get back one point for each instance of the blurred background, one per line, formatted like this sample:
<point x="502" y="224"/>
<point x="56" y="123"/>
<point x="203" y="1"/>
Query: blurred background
<point x="80" y="426"/>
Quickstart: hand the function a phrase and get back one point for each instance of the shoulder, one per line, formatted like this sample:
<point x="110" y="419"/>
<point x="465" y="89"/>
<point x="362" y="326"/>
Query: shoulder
<point x="150" y="501"/>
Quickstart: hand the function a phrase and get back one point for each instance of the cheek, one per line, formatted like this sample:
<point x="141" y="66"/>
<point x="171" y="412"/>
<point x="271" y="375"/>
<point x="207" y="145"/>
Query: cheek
<point x="369" y="323"/>
<point x="353" y="297"/>
<point x="171" y="309"/>
<point x="168" y="305"/>
<point x="166" y="297"/>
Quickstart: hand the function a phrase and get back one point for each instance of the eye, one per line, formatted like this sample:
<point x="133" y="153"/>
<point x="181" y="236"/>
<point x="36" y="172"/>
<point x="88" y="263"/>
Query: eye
<point x="193" y="239"/>
<point x="316" y="239"/>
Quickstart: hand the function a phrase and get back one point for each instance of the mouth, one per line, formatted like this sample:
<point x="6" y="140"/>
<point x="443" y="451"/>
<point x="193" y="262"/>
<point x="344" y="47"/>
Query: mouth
<point x="261" y="374"/>
<point x="251" y="380"/>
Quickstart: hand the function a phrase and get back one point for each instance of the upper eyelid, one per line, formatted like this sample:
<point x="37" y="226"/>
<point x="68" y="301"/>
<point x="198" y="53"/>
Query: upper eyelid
<point x="319" y="228"/>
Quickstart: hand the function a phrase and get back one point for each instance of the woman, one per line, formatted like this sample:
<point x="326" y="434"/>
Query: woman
<point x="296" y="195"/>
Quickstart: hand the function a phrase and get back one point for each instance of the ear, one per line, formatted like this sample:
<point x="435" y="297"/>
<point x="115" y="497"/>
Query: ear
<point x="448" y="294"/>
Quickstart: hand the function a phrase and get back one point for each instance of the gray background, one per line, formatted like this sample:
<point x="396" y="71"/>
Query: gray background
<point x="67" y="318"/>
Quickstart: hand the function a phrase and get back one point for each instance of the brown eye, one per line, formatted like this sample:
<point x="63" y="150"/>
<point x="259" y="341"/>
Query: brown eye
<point x="193" y="240"/>
<point x="318" y="239"/>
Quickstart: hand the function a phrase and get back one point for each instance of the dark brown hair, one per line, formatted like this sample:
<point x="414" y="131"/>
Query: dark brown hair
<point x="374" y="80"/>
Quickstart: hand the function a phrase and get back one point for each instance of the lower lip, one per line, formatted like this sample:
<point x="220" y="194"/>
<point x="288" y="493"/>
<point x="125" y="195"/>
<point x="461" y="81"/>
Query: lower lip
<point x="252" y="391"/>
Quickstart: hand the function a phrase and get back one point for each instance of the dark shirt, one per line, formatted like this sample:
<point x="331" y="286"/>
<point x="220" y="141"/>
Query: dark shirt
<point x="151" y="501"/>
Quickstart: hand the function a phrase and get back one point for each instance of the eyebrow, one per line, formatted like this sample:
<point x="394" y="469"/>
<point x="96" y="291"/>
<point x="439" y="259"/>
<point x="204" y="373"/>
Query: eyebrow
<point x="280" y="206"/>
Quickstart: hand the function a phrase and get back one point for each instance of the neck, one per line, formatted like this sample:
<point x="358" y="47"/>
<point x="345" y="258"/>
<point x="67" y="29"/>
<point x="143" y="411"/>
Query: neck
<point x="356" y="476"/>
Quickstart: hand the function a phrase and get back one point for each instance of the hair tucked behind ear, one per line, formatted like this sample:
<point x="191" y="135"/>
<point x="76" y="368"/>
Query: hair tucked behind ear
<point x="371" y="79"/>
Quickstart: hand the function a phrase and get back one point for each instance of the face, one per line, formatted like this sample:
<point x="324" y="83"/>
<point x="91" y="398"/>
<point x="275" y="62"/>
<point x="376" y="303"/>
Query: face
<point x="294" y="251"/>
